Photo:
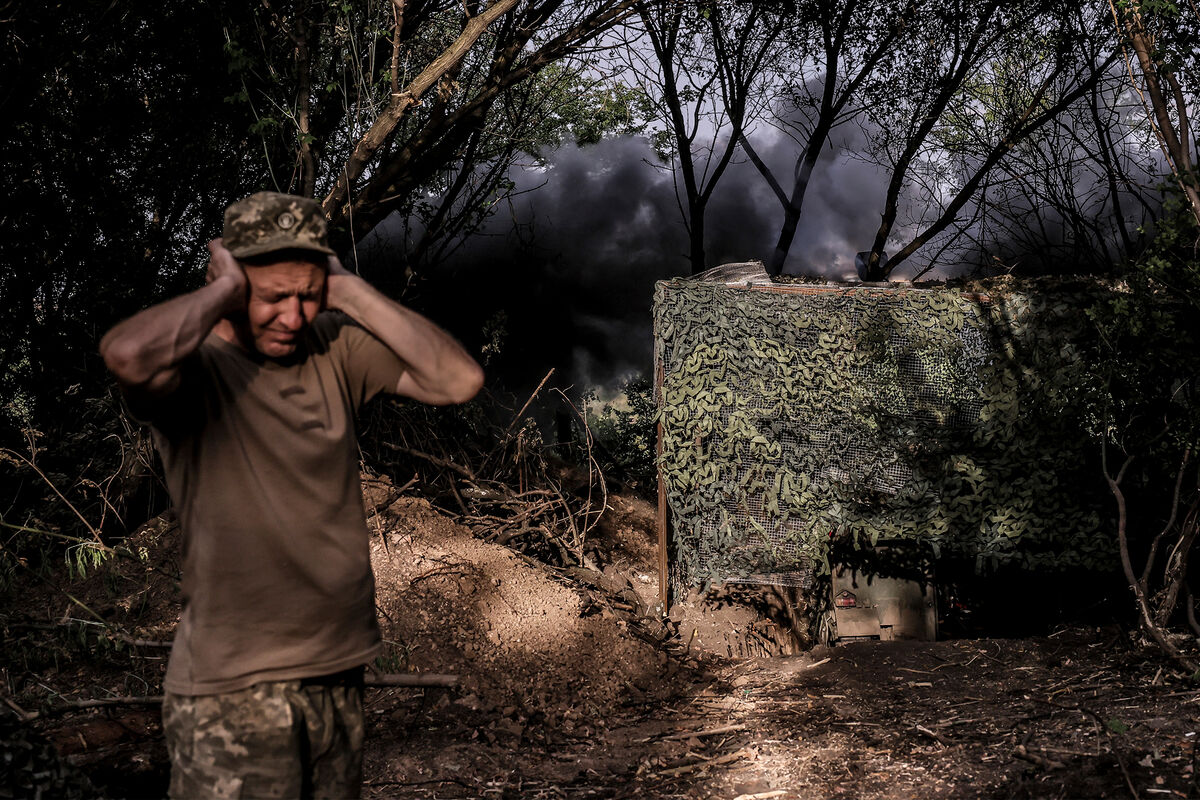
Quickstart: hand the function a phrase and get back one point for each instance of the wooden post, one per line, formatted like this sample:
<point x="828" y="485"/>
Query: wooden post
<point x="664" y="578"/>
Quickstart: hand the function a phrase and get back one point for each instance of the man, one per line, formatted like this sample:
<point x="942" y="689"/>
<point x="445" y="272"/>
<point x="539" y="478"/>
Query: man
<point x="251" y="385"/>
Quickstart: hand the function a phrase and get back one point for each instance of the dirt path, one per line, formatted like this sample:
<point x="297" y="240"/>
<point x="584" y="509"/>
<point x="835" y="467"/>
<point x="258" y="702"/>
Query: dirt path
<point x="1065" y="716"/>
<point x="569" y="692"/>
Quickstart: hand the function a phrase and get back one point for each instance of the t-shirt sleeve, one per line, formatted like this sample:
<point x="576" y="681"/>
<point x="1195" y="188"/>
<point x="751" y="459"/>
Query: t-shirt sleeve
<point x="370" y="366"/>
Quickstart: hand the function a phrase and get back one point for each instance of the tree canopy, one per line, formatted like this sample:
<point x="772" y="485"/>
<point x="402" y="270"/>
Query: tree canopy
<point x="1005" y="129"/>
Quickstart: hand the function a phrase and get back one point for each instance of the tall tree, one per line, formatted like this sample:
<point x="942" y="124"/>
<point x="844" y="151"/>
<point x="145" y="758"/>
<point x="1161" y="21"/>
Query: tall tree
<point x="707" y="66"/>
<point x="1165" y="40"/>
<point x="117" y="154"/>
<point x="373" y="102"/>
<point x="838" y="47"/>
<point x="1009" y="72"/>
<point x="1070" y="197"/>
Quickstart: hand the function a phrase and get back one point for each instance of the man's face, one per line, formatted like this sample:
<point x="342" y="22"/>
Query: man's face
<point x="283" y="299"/>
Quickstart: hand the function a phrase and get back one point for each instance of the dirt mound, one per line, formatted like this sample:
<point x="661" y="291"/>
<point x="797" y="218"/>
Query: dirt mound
<point x="515" y="631"/>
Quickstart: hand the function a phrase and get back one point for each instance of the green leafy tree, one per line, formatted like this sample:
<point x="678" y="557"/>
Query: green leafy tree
<point x="1147" y="415"/>
<point x="117" y="154"/>
<point x="420" y="108"/>
<point x="625" y="432"/>
<point x="967" y="67"/>
<point x="839" y="48"/>
<point x="1165" y="40"/>
<point x="1069" y="198"/>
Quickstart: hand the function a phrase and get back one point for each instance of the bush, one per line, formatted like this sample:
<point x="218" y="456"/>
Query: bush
<point x="1148" y="421"/>
<point x="625" y="434"/>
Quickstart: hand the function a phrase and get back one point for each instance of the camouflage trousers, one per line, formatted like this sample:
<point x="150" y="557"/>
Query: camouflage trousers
<point x="281" y="739"/>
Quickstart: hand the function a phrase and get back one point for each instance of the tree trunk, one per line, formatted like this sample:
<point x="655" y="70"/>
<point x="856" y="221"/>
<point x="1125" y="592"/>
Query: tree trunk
<point x="1136" y="584"/>
<point x="795" y="204"/>
<point x="304" y="139"/>
<point x="1175" y="144"/>
<point x="696" y="237"/>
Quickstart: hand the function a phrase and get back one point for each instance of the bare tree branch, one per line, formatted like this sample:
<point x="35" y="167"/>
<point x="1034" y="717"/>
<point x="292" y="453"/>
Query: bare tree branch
<point x="337" y="201"/>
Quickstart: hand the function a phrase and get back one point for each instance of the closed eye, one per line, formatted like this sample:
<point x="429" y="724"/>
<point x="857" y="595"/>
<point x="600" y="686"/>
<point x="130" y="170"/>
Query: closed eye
<point x="305" y="297"/>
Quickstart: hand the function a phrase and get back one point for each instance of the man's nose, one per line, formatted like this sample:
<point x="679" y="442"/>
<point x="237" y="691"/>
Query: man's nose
<point x="292" y="316"/>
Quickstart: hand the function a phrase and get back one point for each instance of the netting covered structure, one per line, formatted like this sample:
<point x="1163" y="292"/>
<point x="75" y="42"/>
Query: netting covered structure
<point x="796" y="417"/>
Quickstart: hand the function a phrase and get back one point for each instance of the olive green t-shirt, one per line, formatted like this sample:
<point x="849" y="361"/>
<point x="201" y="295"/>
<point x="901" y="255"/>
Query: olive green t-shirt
<point x="261" y="461"/>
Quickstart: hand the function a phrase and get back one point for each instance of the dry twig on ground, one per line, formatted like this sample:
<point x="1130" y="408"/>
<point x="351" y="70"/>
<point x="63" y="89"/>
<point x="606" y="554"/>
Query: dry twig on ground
<point x="505" y="483"/>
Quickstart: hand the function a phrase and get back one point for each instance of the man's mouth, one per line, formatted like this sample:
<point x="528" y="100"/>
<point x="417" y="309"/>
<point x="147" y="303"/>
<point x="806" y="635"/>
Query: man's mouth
<point x="280" y="341"/>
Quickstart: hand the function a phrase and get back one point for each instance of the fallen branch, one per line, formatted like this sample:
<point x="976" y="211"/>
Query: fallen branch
<point x="108" y="629"/>
<point x="394" y="494"/>
<point x="439" y="462"/>
<point x="411" y="679"/>
<point x="1064" y="751"/>
<point x="21" y="713"/>
<point x="72" y="705"/>
<point x="708" y="762"/>
<point x="141" y="642"/>
<point x="936" y="737"/>
<point x="700" y="734"/>
<point x="434" y="573"/>
<point x="139" y="700"/>
<point x="1033" y="758"/>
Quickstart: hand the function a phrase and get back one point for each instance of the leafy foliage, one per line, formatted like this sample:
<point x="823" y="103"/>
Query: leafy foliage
<point x="122" y="145"/>
<point x="625" y="431"/>
<point x="1148" y="421"/>
<point x="1151" y="340"/>
<point x="118" y="154"/>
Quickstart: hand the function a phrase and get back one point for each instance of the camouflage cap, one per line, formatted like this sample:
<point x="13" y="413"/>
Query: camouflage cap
<point x="270" y="221"/>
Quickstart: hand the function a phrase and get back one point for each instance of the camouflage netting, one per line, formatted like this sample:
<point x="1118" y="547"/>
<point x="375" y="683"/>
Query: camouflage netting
<point x="799" y="417"/>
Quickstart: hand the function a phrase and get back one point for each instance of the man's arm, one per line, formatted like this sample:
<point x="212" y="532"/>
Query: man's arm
<point x="440" y="371"/>
<point x="144" y="352"/>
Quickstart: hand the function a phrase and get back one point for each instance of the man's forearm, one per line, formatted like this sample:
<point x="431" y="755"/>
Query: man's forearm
<point x="440" y="370"/>
<point x="144" y="351"/>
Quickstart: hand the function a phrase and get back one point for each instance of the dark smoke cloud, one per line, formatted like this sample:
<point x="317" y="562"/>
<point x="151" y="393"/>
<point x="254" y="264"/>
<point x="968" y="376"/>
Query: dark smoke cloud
<point x="571" y="266"/>
<point x="839" y="217"/>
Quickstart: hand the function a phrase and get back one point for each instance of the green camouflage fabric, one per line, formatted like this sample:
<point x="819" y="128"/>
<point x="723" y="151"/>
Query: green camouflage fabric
<point x="270" y="221"/>
<point x="280" y="739"/>
<point x="804" y="418"/>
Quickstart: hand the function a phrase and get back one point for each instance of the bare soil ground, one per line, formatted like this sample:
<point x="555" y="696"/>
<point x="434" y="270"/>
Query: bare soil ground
<point x="571" y="687"/>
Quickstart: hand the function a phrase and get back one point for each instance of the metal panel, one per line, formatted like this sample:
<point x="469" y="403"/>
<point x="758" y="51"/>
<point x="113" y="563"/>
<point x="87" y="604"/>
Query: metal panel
<point x="883" y="608"/>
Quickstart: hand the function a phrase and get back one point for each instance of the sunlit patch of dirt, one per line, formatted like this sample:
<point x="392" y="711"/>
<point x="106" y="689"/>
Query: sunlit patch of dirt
<point x="1072" y="715"/>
